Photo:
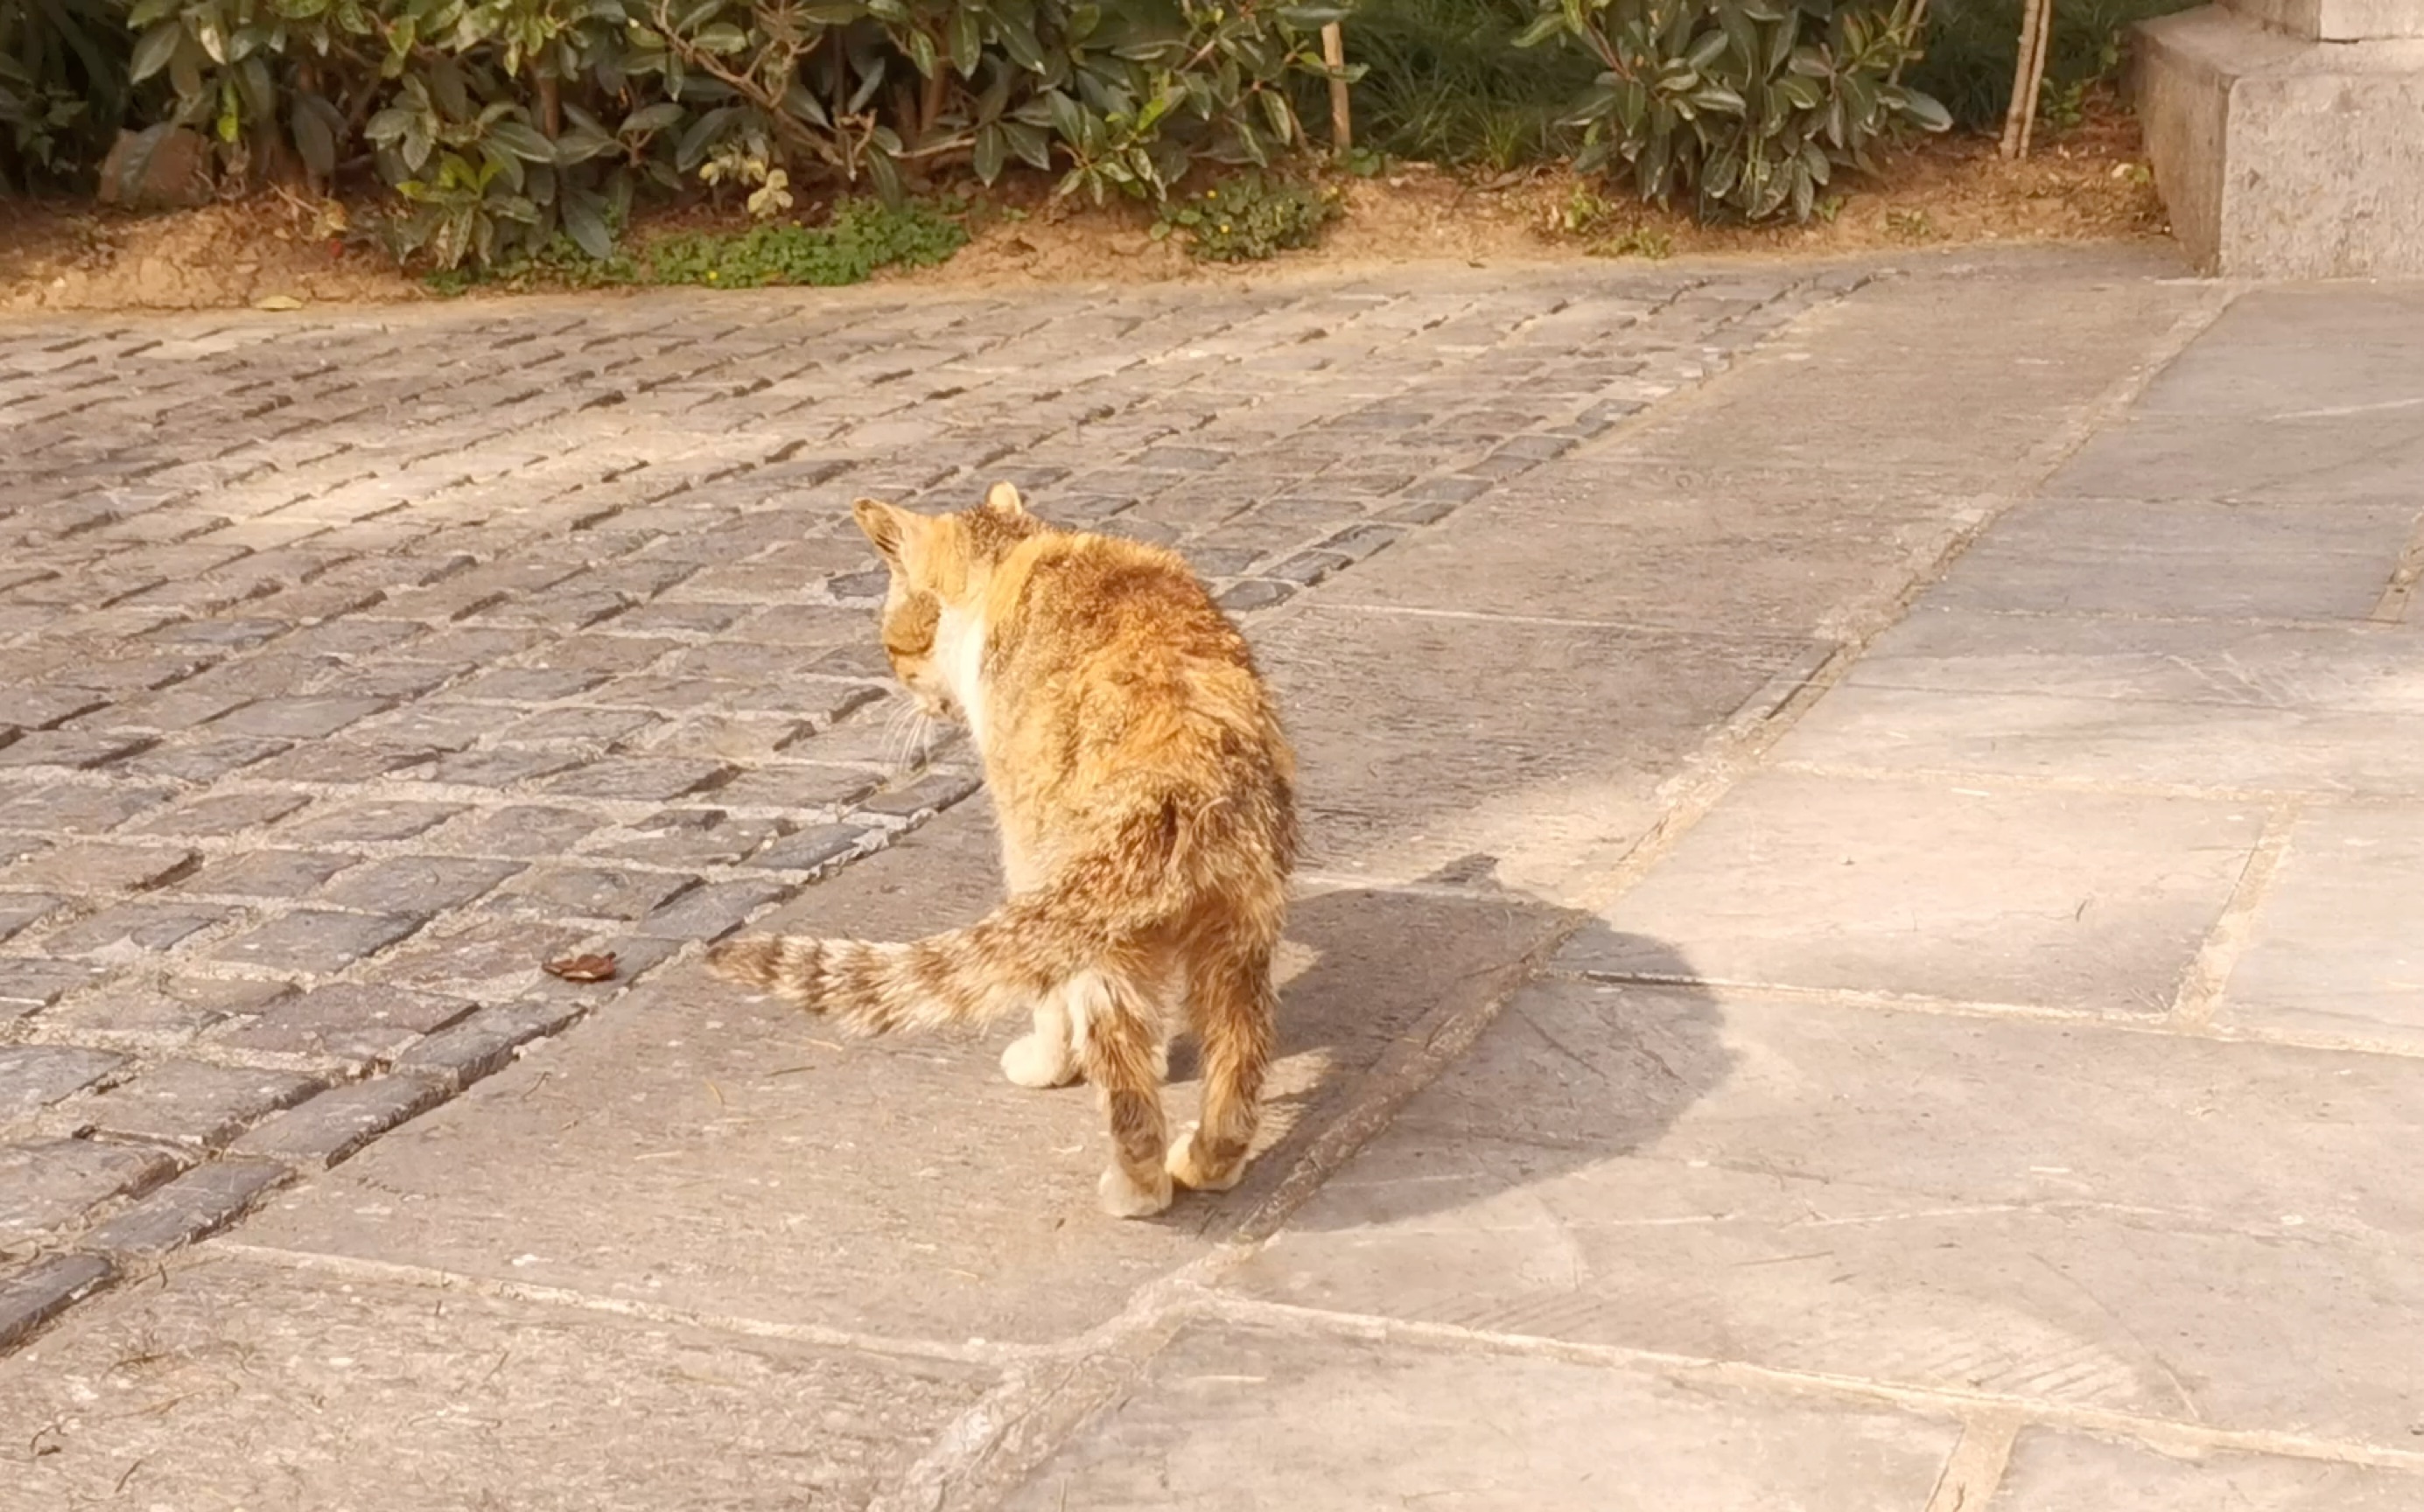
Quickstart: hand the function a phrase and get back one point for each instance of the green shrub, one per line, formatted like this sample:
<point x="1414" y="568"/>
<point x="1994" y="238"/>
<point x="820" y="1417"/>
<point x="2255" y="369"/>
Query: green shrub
<point x="63" y="87"/>
<point x="1742" y="107"/>
<point x="1973" y="45"/>
<point x="1443" y="82"/>
<point x="503" y="123"/>
<point x="1249" y="218"/>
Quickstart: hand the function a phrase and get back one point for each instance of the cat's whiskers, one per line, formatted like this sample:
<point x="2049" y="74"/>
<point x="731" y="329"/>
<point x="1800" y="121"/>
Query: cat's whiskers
<point x="907" y="732"/>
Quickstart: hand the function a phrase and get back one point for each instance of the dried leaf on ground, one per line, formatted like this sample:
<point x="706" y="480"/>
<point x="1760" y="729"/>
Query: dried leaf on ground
<point x="583" y="968"/>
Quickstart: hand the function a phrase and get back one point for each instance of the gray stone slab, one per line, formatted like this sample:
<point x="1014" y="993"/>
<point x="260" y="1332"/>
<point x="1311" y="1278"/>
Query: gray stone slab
<point x="2336" y="944"/>
<point x="750" y="1161"/>
<point x="199" y="1202"/>
<point x="2346" y="668"/>
<point x="2227" y="746"/>
<point x="1229" y="1419"/>
<point x="2315" y="459"/>
<point x="33" y="1294"/>
<point x="2219" y="561"/>
<point x="197" y="1105"/>
<point x="1426" y="741"/>
<point x="2079" y="1215"/>
<point x="331" y="1127"/>
<point x="346" y="1020"/>
<point x="2072" y="1472"/>
<point x="318" y="941"/>
<point x="46" y="1185"/>
<point x="191" y="1396"/>
<point x="2073" y="900"/>
<point x="1915" y="349"/>
<point x="33" y="1076"/>
<point x="1588" y="546"/>
<point x="2280" y="353"/>
<point x="86" y="869"/>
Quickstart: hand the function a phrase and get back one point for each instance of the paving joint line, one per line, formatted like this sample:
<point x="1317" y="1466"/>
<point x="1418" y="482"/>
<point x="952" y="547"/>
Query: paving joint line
<point x="2170" y="1435"/>
<point x="2207" y="976"/>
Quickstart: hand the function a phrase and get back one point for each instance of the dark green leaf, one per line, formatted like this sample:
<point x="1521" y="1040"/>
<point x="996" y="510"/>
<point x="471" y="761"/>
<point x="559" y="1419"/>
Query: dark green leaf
<point x="807" y="107"/>
<point x="389" y="125"/>
<point x="886" y="175"/>
<point x="655" y="118"/>
<point x="966" y="39"/>
<point x="1925" y="112"/>
<point x="317" y="126"/>
<point x="1068" y="116"/>
<point x="1283" y="121"/>
<point x="586" y="226"/>
<point x="522" y="140"/>
<point x="1018" y="40"/>
<point x="1031" y="146"/>
<point x="703" y="133"/>
<point x="154" y="49"/>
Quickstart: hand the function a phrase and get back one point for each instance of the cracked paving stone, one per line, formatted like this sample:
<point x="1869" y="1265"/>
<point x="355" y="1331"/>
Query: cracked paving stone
<point x="47" y="1184"/>
<point x="318" y="941"/>
<point x="404" y="885"/>
<point x="816" y="848"/>
<point x="274" y="874"/>
<point x="596" y="892"/>
<point x="33" y="1294"/>
<point x="20" y="912"/>
<point x="29" y="986"/>
<point x="331" y="1127"/>
<point x="193" y="1105"/>
<point x="300" y="719"/>
<point x="70" y="748"/>
<point x="102" y="867"/>
<point x="33" y="1076"/>
<point x="367" y="824"/>
<point x="195" y="1205"/>
<point x="79" y="810"/>
<point x="148" y="926"/>
<point x="642" y="779"/>
<point x="351" y="1021"/>
<point x="222" y="815"/>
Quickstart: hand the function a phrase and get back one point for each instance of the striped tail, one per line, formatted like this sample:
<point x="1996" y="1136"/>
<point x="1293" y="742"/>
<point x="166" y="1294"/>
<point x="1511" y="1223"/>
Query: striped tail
<point x="991" y="969"/>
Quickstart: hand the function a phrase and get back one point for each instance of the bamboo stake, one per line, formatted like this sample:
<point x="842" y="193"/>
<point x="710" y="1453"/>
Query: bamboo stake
<point x="2027" y="74"/>
<point x="2036" y="78"/>
<point x="1334" y="53"/>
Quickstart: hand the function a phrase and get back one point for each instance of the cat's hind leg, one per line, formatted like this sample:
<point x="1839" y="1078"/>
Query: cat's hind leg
<point x="1043" y="1057"/>
<point x="1234" y="1007"/>
<point x="1118" y="1030"/>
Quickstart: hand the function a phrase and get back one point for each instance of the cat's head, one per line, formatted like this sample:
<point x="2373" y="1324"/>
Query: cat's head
<point x="937" y="561"/>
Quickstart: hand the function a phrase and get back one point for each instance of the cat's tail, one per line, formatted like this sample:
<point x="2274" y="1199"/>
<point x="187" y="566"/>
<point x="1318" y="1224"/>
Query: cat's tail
<point x="1000" y="965"/>
<point x="995" y="968"/>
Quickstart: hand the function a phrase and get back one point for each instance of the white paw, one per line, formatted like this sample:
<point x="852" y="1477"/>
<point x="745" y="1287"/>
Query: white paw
<point x="1031" y="1060"/>
<point x="1187" y="1173"/>
<point x="1123" y="1198"/>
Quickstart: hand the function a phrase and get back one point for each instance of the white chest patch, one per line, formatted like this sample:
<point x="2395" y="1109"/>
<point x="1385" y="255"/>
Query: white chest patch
<point x="959" y="653"/>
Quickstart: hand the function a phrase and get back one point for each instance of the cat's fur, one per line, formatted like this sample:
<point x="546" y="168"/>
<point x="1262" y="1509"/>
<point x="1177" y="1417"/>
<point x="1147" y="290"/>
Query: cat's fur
<point x="1146" y="799"/>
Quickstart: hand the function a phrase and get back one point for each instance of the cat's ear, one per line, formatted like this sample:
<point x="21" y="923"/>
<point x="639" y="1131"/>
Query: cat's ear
<point x="1002" y="499"/>
<point x="886" y="525"/>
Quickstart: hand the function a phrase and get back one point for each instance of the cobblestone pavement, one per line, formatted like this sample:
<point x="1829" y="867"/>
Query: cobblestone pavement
<point x="352" y="665"/>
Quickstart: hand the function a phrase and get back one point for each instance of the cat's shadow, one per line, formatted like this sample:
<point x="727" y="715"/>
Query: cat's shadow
<point x="1564" y="1073"/>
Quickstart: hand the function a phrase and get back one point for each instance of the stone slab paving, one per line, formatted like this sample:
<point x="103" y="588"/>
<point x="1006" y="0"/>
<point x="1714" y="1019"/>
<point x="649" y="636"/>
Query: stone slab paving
<point x="352" y="665"/>
<point x="2030" y="1037"/>
<point x="1705" y="1085"/>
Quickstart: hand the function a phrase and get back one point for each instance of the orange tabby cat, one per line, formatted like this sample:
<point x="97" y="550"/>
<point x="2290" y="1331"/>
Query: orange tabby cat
<point x="1147" y="799"/>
